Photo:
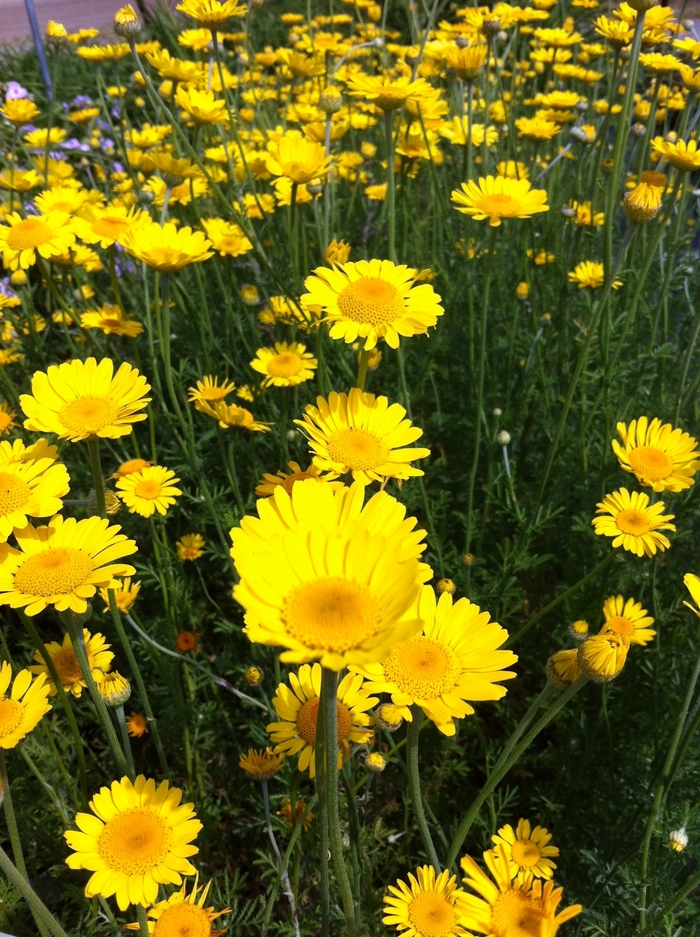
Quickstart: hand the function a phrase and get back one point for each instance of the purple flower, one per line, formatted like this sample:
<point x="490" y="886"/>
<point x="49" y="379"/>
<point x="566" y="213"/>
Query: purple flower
<point x="75" y="144"/>
<point x="117" y="167"/>
<point x="80" y="101"/>
<point x="15" y="91"/>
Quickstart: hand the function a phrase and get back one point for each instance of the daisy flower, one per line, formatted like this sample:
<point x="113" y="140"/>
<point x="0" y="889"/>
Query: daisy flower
<point x="633" y="522"/>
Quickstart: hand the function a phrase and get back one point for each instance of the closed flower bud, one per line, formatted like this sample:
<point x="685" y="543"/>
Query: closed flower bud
<point x="250" y="295"/>
<point x="126" y="22"/>
<point x="330" y="100"/>
<point x="114" y="689"/>
<point x="638" y="130"/>
<point x="19" y="278"/>
<point x="643" y="203"/>
<point x="56" y="34"/>
<point x="602" y="656"/>
<point x="469" y="559"/>
<point x="253" y="675"/>
<point x="491" y="25"/>
<point x="503" y="438"/>
<point x="678" y="839"/>
<point x="563" y="669"/>
<point x="497" y="411"/>
<point x="567" y="211"/>
<point x="337" y="252"/>
<point x="112" y="502"/>
<point x="606" y="166"/>
<point x="642" y="6"/>
<point x="522" y="291"/>
<point x="579" y="630"/>
<point x="374" y="359"/>
<point x="445" y="585"/>
<point x="388" y="717"/>
<point x="315" y="187"/>
<point x="375" y="762"/>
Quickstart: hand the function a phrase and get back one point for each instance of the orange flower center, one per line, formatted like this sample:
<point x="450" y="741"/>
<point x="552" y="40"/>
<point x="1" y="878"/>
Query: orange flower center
<point x="359" y="449"/>
<point x="67" y="666"/>
<point x="432" y="914"/>
<point x="149" y="489"/>
<point x="28" y="234"/>
<point x="88" y="415"/>
<point x="650" y="463"/>
<point x="134" y="842"/>
<point x="371" y="301"/>
<point x="14" y="493"/>
<point x="620" y="625"/>
<point x="53" y="572"/>
<point x="286" y="364"/>
<point x="632" y="522"/>
<point x="110" y="227"/>
<point x="183" y="920"/>
<point x="332" y="614"/>
<point x="307" y="721"/>
<point x="526" y="853"/>
<point x="11" y="713"/>
<point x="422" y="667"/>
<point x="513" y="914"/>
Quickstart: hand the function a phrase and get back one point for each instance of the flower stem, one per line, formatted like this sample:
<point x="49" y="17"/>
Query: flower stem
<point x="143" y="920"/>
<point x="362" y="369"/>
<point x="38" y="908"/>
<point x="97" y="479"/>
<point x="282" y="867"/>
<point x="10" y="817"/>
<point x="328" y="710"/>
<point x="126" y="741"/>
<point x="390" y="184"/>
<point x="413" y="733"/>
<point x="323" y="832"/>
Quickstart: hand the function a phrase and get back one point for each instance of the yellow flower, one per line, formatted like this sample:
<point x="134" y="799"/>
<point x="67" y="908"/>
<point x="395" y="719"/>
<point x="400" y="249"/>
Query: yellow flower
<point x="7" y="418"/>
<point x="202" y="106"/>
<point x="340" y="580"/>
<point x="226" y="238"/>
<point x="362" y="434"/>
<point x="692" y="584"/>
<point x="584" y="215"/>
<point x="373" y="299"/>
<point x="40" y="139"/>
<point x="591" y="274"/>
<point x="536" y="128"/>
<point x="627" y="619"/>
<point x="527" y="850"/>
<point x="23" y="238"/>
<point x="643" y="203"/>
<point x="431" y="905"/>
<point x="136" y="725"/>
<point x="190" y="547"/>
<point x="297" y="158"/>
<point x="22" y="710"/>
<point x="664" y="458"/>
<point x="19" y="180"/>
<point x="30" y="489"/>
<point x="387" y="93"/>
<point x="166" y="248"/>
<point x="497" y="197"/>
<point x="128" y="468"/>
<point x="152" y="489"/>
<point x="507" y="908"/>
<point x="457" y="131"/>
<point x="455" y="659"/>
<point x="337" y="252"/>
<point x="114" y="689"/>
<point x="62" y="564"/>
<point x="80" y="399"/>
<point x="602" y="656"/>
<point x="298" y="709"/>
<point x="19" y="112"/>
<point x="285" y="365"/>
<point x="62" y="198"/>
<point x="107" y="226"/>
<point x="209" y="390"/>
<point x="376" y="193"/>
<point x="633" y="522"/>
<point x="286" y="814"/>
<point x="683" y="156"/>
<point x="261" y="765"/>
<point x="66" y="663"/>
<point x="659" y="64"/>
<point x="111" y="320"/>
<point x="467" y="61"/>
<point x="232" y="417"/>
<point x="125" y="594"/>
<point x="563" y="668"/>
<point x="268" y="483"/>
<point x="137" y="838"/>
<point x="126" y="22"/>
<point x="183" y="915"/>
<point x="212" y="12"/>
<point x="617" y="32"/>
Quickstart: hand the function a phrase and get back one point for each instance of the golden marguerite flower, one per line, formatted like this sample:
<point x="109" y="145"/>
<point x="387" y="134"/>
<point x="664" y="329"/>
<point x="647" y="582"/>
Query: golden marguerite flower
<point x="563" y="668"/>
<point x="21" y="239"/>
<point x="19" y="180"/>
<point x="62" y="564"/>
<point x="591" y="274"/>
<point x="131" y="466"/>
<point x="63" y="198"/>
<point x="110" y="319"/>
<point x="66" y="663"/>
<point x="537" y="128"/>
<point x="602" y="656"/>
<point x="190" y="547"/>
<point x="387" y="93"/>
<point x="298" y="709"/>
<point x="528" y="850"/>
<point x="268" y="483"/>
<point x="125" y="594"/>
<point x="203" y="107"/>
<point x="183" y="915"/>
<point x="430" y="905"/>
<point x="373" y="299"/>
<point x="81" y="399"/>
<point x="7" y="418"/>
<point x="30" y="489"/>
<point x="21" y="111"/>
<point x="286" y="365"/>
<point x="152" y="489"/>
<point x="362" y="434"/>
<point x="454" y="660"/>
<point x="683" y="156"/>
<point x="497" y="197"/>
<point x="467" y="61"/>
<point x="633" y="522"/>
<point x="296" y="158"/>
<point x="503" y="907"/>
<point x="166" y="248"/>
<point x="226" y="238"/>
<point x="108" y="226"/>
<point x="209" y="390"/>
<point x="664" y="458"/>
<point x="261" y="765"/>
<point x="136" y="838"/>
<point x="232" y="417"/>
<point x="212" y="12"/>
<point x="628" y="619"/>
<point x="643" y="203"/>
<point x="458" y="132"/>
<point x="136" y="725"/>
<point x="328" y="577"/>
<point x="21" y="710"/>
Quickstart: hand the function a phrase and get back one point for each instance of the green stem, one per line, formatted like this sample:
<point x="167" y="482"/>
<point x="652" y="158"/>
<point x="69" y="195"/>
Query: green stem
<point x="126" y="741"/>
<point x="143" y="920"/>
<point x="321" y="763"/>
<point x="10" y="817"/>
<point x="38" y="908"/>
<point x="414" y="788"/>
<point x="328" y="710"/>
<point x="390" y="184"/>
<point x="675" y="899"/>
<point x="284" y="873"/>
<point x="362" y="369"/>
<point x="97" y="479"/>
<point x="501" y="770"/>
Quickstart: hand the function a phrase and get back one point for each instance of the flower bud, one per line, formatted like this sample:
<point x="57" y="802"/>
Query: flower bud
<point x="56" y="34"/>
<point x="250" y="295"/>
<point x="602" y="656"/>
<point x="126" y="22"/>
<point x="445" y="585"/>
<point x="469" y="559"/>
<point x="678" y="839"/>
<point x="503" y="438"/>
<point x="643" y="203"/>
<point x="388" y="717"/>
<point x="337" y="252"/>
<point x="642" y="6"/>
<point x="579" y="630"/>
<point x="567" y="211"/>
<point x="563" y="669"/>
<point x="497" y="411"/>
<point x="330" y="100"/>
<point x="522" y="291"/>
<point x="375" y="762"/>
<point x="114" y="689"/>
<point x="253" y="675"/>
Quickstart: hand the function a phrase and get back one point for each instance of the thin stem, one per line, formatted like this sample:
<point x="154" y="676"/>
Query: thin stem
<point x="10" y="817"/>
<point x="97" y="479"/>
<point x="126" y="741"/>
<point x="414" y="784"/>
<point x="362" y="369"/>
<point x="282" y="867"/>
<point x="390" y="184"/>
<point x="143" y="920"/>
<point x="38" y="908"/>
<point x="321" y="763"/>
<point x="675" y="899"/>
<point x="328" y="709"/>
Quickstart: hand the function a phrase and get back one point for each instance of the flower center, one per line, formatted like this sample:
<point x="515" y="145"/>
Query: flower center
<point x="620" y="625"/>
<point x="149" y="489"/>
<point x="67" y="666"/>
<point x="497" y="204"/>
<point x="332" y="614"/>
<point x="53" y="572"/>
<point x="513" y="914"/>
<point x="288" y="483"/>
<point x="358" y="449"/>
<point x="526" y="853"/>
<point x="14" y="493"/>
<point x="134" y="842"/>
<point x="284" y="365"/>
<point x="5" y="420"/>
<point x="110" y="227"/>
<point x="371" y="301"/>
<point x="183" y="920"/>
<point x="632" y="522"/>
<point x="88" y="415"/>
<point x="422" y="667"/>
<point x="11" y="713"/>
<point x="307" y="720"/>
<point x="432" y="914"/>
<point x="650" y="463"/>
<point x="28" y="234"/>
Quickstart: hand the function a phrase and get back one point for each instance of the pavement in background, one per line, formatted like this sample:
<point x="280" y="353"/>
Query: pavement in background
<point x="74" y="14"/>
